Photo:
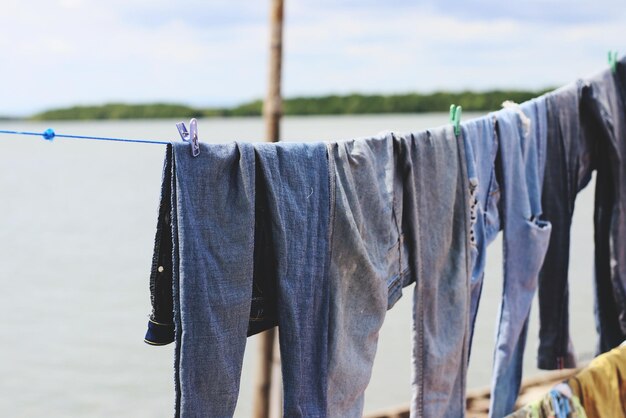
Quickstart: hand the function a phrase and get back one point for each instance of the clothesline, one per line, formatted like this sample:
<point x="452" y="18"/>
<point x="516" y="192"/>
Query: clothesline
<point x="49" y="135"/>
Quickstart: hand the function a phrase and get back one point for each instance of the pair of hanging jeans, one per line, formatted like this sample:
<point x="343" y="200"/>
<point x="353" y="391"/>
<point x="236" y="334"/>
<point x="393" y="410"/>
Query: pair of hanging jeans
<point x="214" y="201"/>
<point x="436" y="227"/>
<point x="506" y="159"/>
<point x="400" y="216"/>
<point x="365" y="255"/>
<point x="525" y="240"/>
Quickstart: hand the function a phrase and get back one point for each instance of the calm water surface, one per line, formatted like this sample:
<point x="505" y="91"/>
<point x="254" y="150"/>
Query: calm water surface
<point x="77" y="222"/>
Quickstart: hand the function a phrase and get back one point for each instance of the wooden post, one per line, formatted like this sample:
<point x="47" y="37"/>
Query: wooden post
<point x="273" y="107"/>
<point x="272" y="112"/>
<point x="264" y="374"/>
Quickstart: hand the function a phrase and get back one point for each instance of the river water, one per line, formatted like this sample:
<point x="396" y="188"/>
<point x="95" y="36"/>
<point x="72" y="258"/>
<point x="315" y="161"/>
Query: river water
<point x="77" y="222"/>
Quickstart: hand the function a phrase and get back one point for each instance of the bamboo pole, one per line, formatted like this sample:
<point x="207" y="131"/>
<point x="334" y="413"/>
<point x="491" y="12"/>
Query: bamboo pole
<point x="272" y="108"/>
<point x="272" y="112"/>
<point x="264" y="374"/>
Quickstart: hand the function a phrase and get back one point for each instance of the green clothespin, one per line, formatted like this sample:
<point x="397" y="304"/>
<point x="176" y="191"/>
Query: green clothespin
<point x="455" y="118"/>
<point x="613" y="60"/>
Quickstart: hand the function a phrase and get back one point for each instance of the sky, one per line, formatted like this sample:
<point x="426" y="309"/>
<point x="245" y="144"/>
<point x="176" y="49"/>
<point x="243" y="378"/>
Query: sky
<point x="59" y="53"/>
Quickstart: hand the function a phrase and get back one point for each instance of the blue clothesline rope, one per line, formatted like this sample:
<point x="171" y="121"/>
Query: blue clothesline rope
<point x="49" y="135"/>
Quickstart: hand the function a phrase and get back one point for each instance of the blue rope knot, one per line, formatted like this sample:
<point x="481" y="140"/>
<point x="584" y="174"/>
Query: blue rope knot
<point x="48" y="134"/>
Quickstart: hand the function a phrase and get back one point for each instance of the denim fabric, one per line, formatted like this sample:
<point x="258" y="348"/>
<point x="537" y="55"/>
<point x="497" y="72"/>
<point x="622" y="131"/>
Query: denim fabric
<point x="298" y="194"/>
<point x="263" y="313"/>
<point x="535" y="152"/>
<point x="607" y="111"/>
<point x="588" y="124"/>
<point x="400" y="215"/>
<point x="365" y="258"/>
<point x="569" y="164"/>
<point x="161" y="322"/>
<point x="270" y="203"/>
<point x="525" y="242"/>
<point x="212" y="204"/>
<point x="436" y="227"/>
<point x="481" y="147"/>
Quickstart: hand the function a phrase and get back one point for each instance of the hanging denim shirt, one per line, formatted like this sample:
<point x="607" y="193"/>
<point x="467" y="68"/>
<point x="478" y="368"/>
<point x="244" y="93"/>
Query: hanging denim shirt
<point x="525" y="242"/>
<point x="607" y="111"/>
<point x="569" y="164"/>
<point x="587" y="131"/>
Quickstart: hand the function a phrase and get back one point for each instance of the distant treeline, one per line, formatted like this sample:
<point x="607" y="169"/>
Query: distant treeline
<point x="352" y="104"/>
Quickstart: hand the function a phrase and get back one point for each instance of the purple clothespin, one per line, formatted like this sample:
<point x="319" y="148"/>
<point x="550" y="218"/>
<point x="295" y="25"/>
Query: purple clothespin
<point x="190" y="136"/>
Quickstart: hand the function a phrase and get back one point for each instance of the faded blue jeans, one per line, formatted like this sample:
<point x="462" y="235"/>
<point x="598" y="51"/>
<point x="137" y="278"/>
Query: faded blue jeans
<point x="436" y="224"/>
<point x="400" y="216"/>
<point x="506" y="159"/>
<point x="298" y="192"/>
<point x="364" y="255"/>
<point x="520" y="163"/>
<point x="212" y="196"/>
<point x="213" y="228"/>
<point x="481" y="147"/>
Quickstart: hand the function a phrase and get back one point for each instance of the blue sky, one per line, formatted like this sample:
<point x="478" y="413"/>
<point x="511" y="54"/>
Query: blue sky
<point x="205" y="53"/>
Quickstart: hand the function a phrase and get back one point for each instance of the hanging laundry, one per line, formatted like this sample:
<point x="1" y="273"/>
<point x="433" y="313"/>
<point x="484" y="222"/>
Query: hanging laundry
<point x="342" y="227"/>
<point x="294" y="177"/>
<point x="601" y="386"/>
<point x="210" y="316"/>
<point x="213" y="222"/>
<point x="320" y="239"/>
<point x="436" y="226"/>
<point x="366" y="259"/>
<point x="399" y="216"/>
<point x="525" y="241"/>
<point x="568" y="170"/>
<point x="607" y="108"/>
<point x="481" y="148"/>
<point x="587" y="132"/>
<point x="505" y="166"/>
<point x="553" y="405"/>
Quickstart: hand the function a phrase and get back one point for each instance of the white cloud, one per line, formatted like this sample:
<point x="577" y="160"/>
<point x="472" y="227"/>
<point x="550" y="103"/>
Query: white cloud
<point x="85" y="51"/>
